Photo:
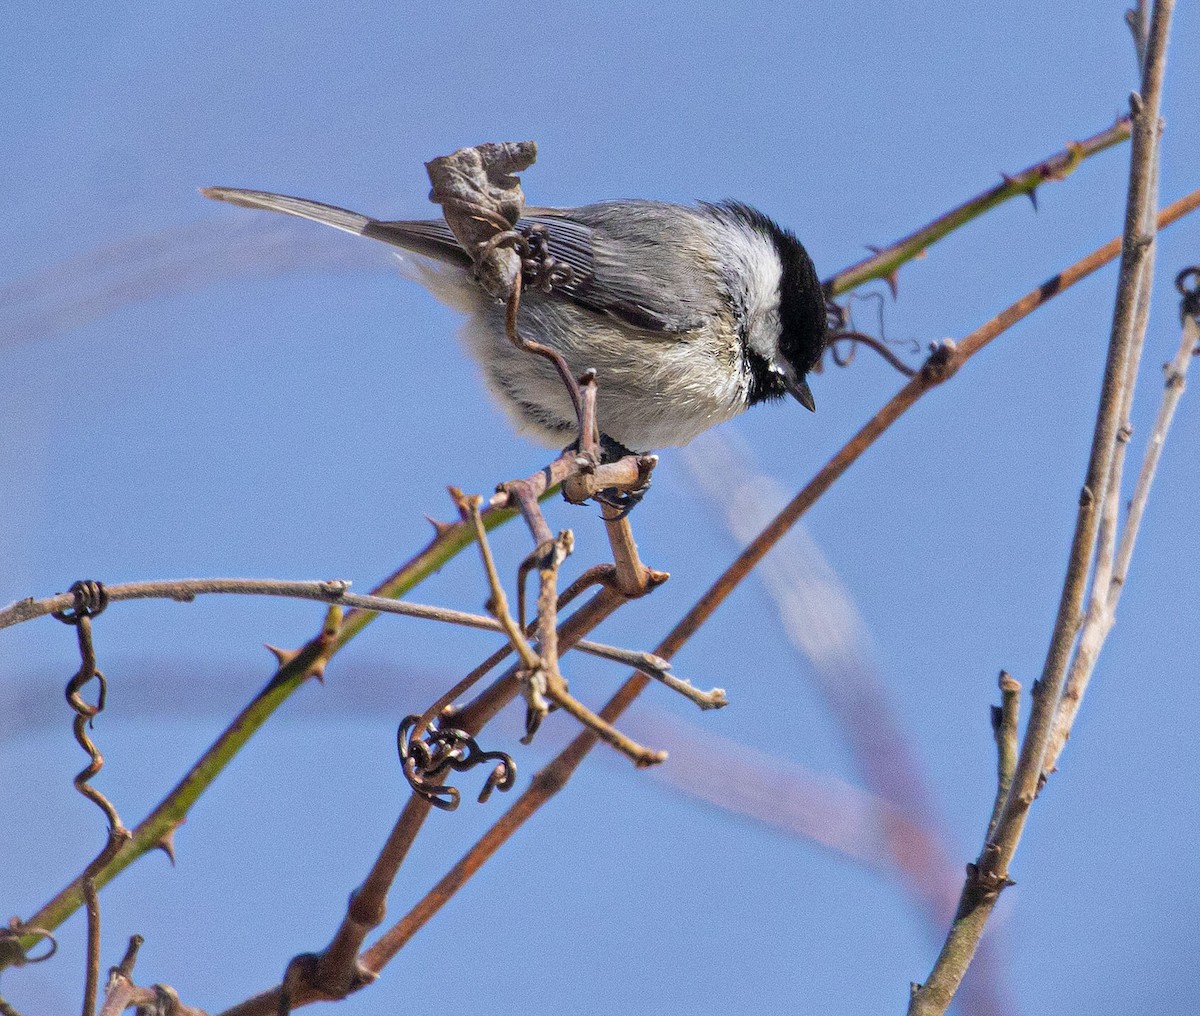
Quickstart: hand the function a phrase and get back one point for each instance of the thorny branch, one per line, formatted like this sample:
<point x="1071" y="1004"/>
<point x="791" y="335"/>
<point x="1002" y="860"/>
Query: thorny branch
<point x="157" y="829"/>
<point x="883" y="263"/>
<point x="335" y="591"/>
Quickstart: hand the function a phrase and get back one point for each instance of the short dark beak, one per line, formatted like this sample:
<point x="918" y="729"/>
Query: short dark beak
<point x="799" y="388"/>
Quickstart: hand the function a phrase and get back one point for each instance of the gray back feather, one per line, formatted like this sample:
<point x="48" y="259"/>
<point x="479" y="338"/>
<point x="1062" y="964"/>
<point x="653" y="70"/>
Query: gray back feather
<point x="644" y="263"/>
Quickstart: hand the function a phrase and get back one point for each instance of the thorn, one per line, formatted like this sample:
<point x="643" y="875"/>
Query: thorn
<point x="167" y="846"/>
<point x="893" y="283"/>
<point x="282" y="656"/>
<point x="1032" y="195"/>
<point x="318" y="671"/>
<point x="439" y="528"/>
<point x="893" y="277"/>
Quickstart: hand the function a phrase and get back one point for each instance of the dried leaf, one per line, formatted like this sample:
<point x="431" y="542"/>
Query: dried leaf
<point x="481" y="197"/>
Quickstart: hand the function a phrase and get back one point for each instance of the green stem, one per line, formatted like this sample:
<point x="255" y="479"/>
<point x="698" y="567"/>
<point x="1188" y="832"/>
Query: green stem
<point x="883" y="264"/>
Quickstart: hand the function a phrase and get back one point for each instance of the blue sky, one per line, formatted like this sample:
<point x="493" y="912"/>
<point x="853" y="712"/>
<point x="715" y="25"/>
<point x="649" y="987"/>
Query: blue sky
<point x="226" y="417"/>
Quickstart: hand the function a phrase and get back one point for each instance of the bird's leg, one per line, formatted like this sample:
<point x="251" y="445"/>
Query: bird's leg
<point x="590" y="442"/>
<point x="624" y="499"/>
<point x="592" y="451"/>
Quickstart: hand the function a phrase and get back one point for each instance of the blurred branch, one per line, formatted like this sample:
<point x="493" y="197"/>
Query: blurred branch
<point x="821" y="620"/>
<point x="174" y="261"/>
<point x="884" y="263"/>
<point x="988" y="876"/>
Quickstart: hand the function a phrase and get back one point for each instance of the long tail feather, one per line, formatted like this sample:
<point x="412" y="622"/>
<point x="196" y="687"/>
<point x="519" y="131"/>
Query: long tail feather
<point x="431" y="238"/>
<point x="338" y="218"/>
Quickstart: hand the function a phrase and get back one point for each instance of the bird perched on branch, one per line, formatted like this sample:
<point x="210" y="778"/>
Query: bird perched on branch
<point x="688" y="315"/>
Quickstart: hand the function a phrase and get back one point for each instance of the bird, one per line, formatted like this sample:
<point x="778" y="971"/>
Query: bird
<point x="688" y="314"/>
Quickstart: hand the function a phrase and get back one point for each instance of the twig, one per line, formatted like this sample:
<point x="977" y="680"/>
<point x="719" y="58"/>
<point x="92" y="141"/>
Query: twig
<point x="872" y="343"/>
<point x="121" y="989"/>
<point x="91" y="981"/>
<point x="122" y="993"/>
<point x="1174" y="382"/>
<point x="333" y="591"/>
<point x="540" y="676"/>
<point x="1004" y="728"/>
<point x="988" y="876"/>
<point x="183" y="591"/>
<point x="1138" y="22"/>
<point x="884" y="263"/>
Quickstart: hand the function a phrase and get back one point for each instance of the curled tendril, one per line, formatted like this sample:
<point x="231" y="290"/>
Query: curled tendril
<point x="539" y="268"/>
<point x="843" y="332"/>
<point x="857" y="338"/>
<point x="426" y="760"/>
<point x="90" y="599"/>
<point x="11" y="953"/>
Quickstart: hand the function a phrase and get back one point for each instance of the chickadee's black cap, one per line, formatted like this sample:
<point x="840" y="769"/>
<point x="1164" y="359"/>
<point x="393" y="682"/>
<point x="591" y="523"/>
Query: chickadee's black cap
<point x="802" y="317"/>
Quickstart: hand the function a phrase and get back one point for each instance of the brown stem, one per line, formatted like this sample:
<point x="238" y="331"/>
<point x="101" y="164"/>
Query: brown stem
<point x="989" y="874"/>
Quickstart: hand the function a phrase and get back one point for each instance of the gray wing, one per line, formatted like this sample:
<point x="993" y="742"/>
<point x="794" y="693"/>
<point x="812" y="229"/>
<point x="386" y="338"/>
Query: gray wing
<point x="642" y="268"/>
<point x="641" y="262"/>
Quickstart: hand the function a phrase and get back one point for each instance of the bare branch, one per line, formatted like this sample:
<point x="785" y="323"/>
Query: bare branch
<point x="1106" y="593"/>
<point x="988" y="876"/>
<point x="334" y="591"/>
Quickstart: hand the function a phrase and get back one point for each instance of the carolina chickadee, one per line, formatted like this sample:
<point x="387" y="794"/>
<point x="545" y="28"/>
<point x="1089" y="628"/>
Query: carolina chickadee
<point x="688" y="315"/>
